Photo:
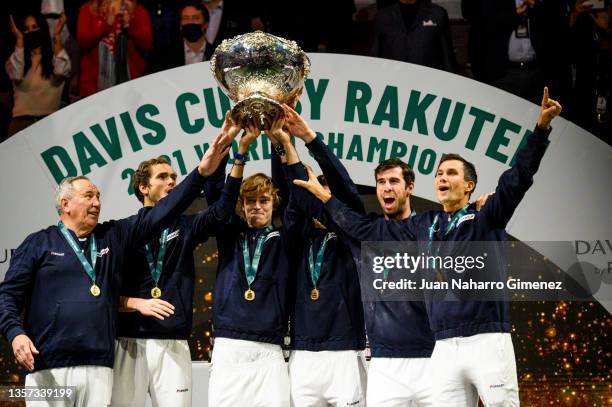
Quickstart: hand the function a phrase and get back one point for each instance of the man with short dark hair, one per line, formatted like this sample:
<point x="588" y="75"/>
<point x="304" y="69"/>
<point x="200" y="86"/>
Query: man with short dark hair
<point x="67" y="277"/>
<point x="394" y="185"/>
<point x="156" y="305"/>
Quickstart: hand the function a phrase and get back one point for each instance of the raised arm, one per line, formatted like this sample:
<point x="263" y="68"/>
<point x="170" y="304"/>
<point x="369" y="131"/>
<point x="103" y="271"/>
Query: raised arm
<point x="296" y="218"/>
<point x="150" y="221"/>
<point x="358" y="225"/>
<point x="91" y="28"/>
<point x="214" y="184"/>
<point x="514" y="182"/>
<point x="338" y="179"/>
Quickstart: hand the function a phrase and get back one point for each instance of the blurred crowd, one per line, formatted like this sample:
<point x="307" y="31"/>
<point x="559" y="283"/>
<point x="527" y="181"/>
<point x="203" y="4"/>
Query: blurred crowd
<point x="58" y="51"/>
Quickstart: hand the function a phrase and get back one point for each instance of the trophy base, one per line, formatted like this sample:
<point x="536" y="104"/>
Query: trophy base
<point x="256" y="106"/>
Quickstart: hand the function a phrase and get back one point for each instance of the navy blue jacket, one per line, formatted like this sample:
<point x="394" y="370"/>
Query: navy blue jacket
<point x="178" y="275"/>
<point x="265" y="319"/>
<point x="334" y="321"/>
<point x="67" y="324"/>
<point x="396" y="329"/>
<point x="465" y="318"/>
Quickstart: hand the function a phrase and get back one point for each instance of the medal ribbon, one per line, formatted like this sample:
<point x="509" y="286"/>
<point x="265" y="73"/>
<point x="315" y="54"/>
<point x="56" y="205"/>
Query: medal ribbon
<point x="451" y="225"/>
<point x="250" y="266"/>
<point x="90" y="269"/>
<point x="315" y="267"/>
<point x="157" y="267"/>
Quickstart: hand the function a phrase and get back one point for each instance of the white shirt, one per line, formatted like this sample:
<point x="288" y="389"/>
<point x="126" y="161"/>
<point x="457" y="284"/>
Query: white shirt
<point x="191" y="56"/>
<point x="34" y="94"/>
<point x="520" y="49"/>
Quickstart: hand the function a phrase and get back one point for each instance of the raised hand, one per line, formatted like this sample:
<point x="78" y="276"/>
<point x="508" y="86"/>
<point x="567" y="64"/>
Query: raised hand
<point x="549" y="110"/>
<point x="57" y="31"/>
<point x="230" y="128"/>
<point x="251" y="132"/>
<point x="276" y="131"/>
<point x="128" y="12"/>
<point x="482" y="200"/>
<point x="24" y="351"/>
<point x="16" y="32"/>
<point x="57" y="34"/>
<point x="297" y="126"/>
<point x="218" y="149"/>
<point x="314" y="186"/>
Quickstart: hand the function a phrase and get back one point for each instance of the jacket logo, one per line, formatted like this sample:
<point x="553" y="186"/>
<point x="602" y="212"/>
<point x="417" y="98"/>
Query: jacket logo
<point x="429" y="23"/>
<point x="182" y="390"/>
<point x="56" y="254"/>
<point x="466" y="217"/>
<point x="271" y="235"/>
<point x="103" y="252"/>
<point x="172" y="235"/>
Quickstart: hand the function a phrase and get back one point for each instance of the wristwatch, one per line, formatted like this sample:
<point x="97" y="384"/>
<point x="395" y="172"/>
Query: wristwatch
<point x="242" y="157"/>
<point x="280" y="150"/>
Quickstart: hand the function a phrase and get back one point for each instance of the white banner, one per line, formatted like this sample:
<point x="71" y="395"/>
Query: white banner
<point x="366" y="110"/>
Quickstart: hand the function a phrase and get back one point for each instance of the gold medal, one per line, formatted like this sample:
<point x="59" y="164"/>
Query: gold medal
<point x="155" y="292"/>
<point x="94" y="290"/>
<point x="314" y="294"/>
<point x="249" y="295"/>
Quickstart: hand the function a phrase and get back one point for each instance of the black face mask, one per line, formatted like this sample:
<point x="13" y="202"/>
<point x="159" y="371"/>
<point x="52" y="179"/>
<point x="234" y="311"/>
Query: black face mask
<point x="192" y="32"/>
<point x="33" y="39"/>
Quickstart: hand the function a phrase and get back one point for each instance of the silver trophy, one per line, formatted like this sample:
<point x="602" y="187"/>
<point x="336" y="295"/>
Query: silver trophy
<point x="259" y="72"/>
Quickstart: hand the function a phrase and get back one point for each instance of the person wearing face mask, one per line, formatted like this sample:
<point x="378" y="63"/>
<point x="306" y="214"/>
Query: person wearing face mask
<point x="194" y="22"/>
<point x="192" y="47"/>
<point x="38" y="69"/>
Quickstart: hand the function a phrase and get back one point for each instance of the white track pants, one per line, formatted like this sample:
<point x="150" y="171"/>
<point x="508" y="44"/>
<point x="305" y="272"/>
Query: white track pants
<point x="485" y="362"/>
<point x="92" y="385"/>
<point x="246" y="373"/>
<point x="159" y="367"/>
<point x="400" y="382"/>
<point x="327" y="378"/>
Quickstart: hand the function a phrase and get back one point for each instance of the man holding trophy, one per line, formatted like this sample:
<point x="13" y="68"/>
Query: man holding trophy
<point x="251" y="294"/>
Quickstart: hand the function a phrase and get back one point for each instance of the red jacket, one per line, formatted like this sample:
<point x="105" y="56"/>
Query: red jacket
<point x="92" y="28"/>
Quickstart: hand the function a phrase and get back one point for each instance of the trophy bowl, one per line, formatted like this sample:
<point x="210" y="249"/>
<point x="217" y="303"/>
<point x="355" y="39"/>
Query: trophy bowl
<point x="259" y="72"/>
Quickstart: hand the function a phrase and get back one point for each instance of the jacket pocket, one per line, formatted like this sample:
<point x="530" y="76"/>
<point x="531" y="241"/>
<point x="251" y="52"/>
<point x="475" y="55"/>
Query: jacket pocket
<point x="261" y="315"/>
<point x="325" y="317"/>
<point x="81" y="330"/>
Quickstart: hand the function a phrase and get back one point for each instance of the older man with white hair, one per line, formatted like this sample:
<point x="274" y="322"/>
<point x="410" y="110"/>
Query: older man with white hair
<point x="66" y="277"/>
